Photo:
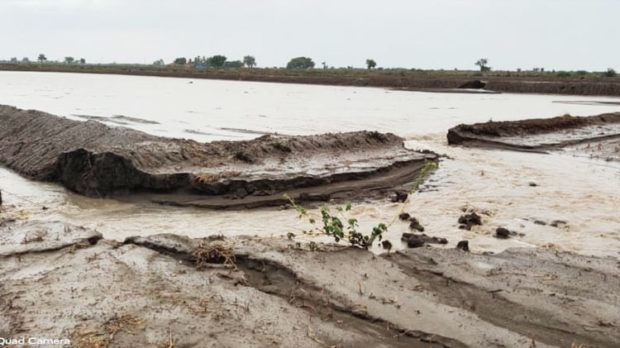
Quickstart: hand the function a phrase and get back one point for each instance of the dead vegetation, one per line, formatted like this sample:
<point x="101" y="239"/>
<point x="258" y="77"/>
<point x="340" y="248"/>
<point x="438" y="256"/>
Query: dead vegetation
<point x="103" y="336"/>
<point x="209" y="253"/>
<point x="208" y="178"/>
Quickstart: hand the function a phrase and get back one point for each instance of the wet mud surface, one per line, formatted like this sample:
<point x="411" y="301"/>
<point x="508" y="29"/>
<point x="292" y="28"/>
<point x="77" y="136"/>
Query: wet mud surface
<point x="170" y="290"/>
<point x="592" y="136"/>
<point x="97" y="160"/>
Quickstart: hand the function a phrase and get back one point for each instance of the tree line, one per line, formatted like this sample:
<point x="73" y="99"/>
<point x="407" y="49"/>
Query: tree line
<point x="298" y="63"/>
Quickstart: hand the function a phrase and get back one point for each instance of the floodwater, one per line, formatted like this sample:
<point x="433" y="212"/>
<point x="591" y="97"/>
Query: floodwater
<point x="583" y="192"/>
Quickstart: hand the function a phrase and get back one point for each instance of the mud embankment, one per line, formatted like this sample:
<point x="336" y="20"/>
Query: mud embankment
<point x="596" y="136"/>
<point x="173" y="291"/>
<point x="400" y="79"/>
<point x="97" y="160"/>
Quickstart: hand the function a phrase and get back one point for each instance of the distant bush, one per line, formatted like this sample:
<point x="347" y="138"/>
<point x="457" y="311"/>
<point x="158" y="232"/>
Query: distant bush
<point x="562" y="74"/>
<point x="300" y="63"/>
<point x="233" y="64"/>
<point x="610" y="73"/>
<point x="216" y="61"/>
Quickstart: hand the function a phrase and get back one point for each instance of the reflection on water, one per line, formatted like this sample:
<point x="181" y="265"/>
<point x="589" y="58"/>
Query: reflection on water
<point x="585" y="193"/>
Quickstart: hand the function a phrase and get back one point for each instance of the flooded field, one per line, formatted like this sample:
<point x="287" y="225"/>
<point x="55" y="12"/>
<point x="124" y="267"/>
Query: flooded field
<point x="524" y="192"/>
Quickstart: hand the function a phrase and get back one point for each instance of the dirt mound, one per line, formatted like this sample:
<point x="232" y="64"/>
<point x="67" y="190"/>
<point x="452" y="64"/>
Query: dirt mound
<point x="474" y="84"/>
<point x="539" y="134"/>
<point x="97" y="160"/>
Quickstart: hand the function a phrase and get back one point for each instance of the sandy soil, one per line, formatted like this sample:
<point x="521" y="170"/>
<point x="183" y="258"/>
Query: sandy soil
<point x="172" y="291"/>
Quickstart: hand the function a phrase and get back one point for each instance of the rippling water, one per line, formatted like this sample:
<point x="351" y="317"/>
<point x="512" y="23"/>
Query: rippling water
<point x="585" y="193"/>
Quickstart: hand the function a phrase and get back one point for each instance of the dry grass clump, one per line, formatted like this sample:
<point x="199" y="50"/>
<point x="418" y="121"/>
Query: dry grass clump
<point x="208" y="178"/>
<point x="103" y="336"/>
<point x="213" y="253"/>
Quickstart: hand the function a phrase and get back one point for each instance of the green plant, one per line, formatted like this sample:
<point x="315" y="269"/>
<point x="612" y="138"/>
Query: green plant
<point x="300" y="63"/>
<point x="610" y="73"/>
<point x="482" y="63"/>
<point x="332" y="216"/>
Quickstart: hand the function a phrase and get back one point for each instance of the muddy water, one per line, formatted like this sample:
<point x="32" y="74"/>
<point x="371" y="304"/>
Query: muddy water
<point x="584" y="193"/>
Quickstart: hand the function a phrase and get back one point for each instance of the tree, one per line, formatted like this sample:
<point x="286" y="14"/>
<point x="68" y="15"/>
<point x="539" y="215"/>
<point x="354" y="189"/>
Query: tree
<point x="233" y="64"/>
<point x="180" y="61"/>
<point x="300" y="63"/>
<point x="69" y="60"/>
<point x="610" y="73"/>
<point x="158" y="62"/>
<point x="25" y="60"/>
<point x="42" y="58"/>
<point x="482" y="63"/>
<point x="324" y="65"/>
<point x="249" y="61"/>
<point x="216" y="61"/>
<point x="14" y="60"/>
<point x="82" y="61"/>
<point x="370" y="63"/>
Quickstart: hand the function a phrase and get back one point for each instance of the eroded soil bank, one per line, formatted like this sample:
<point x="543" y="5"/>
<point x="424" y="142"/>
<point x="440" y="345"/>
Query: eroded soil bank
<point x="97" y="160"/>
<point x="596" y="136"/>
<point x="172" y="291"/>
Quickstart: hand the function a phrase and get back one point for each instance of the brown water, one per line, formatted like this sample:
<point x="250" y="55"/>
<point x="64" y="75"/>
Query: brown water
<point x="583" y="192"/>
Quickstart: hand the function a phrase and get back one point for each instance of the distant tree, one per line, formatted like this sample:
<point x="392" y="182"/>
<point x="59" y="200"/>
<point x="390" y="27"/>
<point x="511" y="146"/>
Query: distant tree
<point x="300" y="63"/>
<point x="482" y="63"/>
<point x="216" y="61"/>
<point x="249" y="61"/>
<point x="158" y="62"/>
<point x="14" y="60"/>
<point x="233" y="64"/>
<point x="82" y="61"/>
<point x="324" y="65"/>
<point x="69" y="60"/>
<point x="25" y="60"/>
<point x="610" y="73"/>
<point x="180" y="61"/>
<point x="42" y="58"/>
<point x="370" y="63"/>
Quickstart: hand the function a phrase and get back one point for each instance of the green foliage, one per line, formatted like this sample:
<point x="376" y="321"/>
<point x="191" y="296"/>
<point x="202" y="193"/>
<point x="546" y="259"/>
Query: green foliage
<point x="180" y="61"/>
<point x="233" y="64"/>
<point x="370" y="63"/>
<point x="300" y="63"/>
<point x="216" y="61"/>
<point x="42" y="58"/>
<point x="82" y="61"/>
<point x="332" y="217"/>
<point x="69" y="60"/>
<point x="562" y="74"/>
<point x="249" y="61"/>
<point x="482" y="63"/>
<point x="610" y="73"/>
<point x="159" y="62"/>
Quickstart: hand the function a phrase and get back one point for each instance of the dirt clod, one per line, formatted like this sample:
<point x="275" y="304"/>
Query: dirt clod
<point x="399" y="196"/>
<point x="469" y="220"/>
<point x="463" y="245"/>
<point x="418" y="240"/>
<point x="502" y="233"/>
<point x="415" y="225"/>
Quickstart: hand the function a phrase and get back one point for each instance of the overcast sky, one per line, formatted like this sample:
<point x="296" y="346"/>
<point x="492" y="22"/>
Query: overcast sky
<point x="555" y="34"/>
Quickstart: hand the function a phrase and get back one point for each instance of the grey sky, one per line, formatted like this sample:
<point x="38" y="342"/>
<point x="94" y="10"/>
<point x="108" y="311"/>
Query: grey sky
<point x="555" y="34"/>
